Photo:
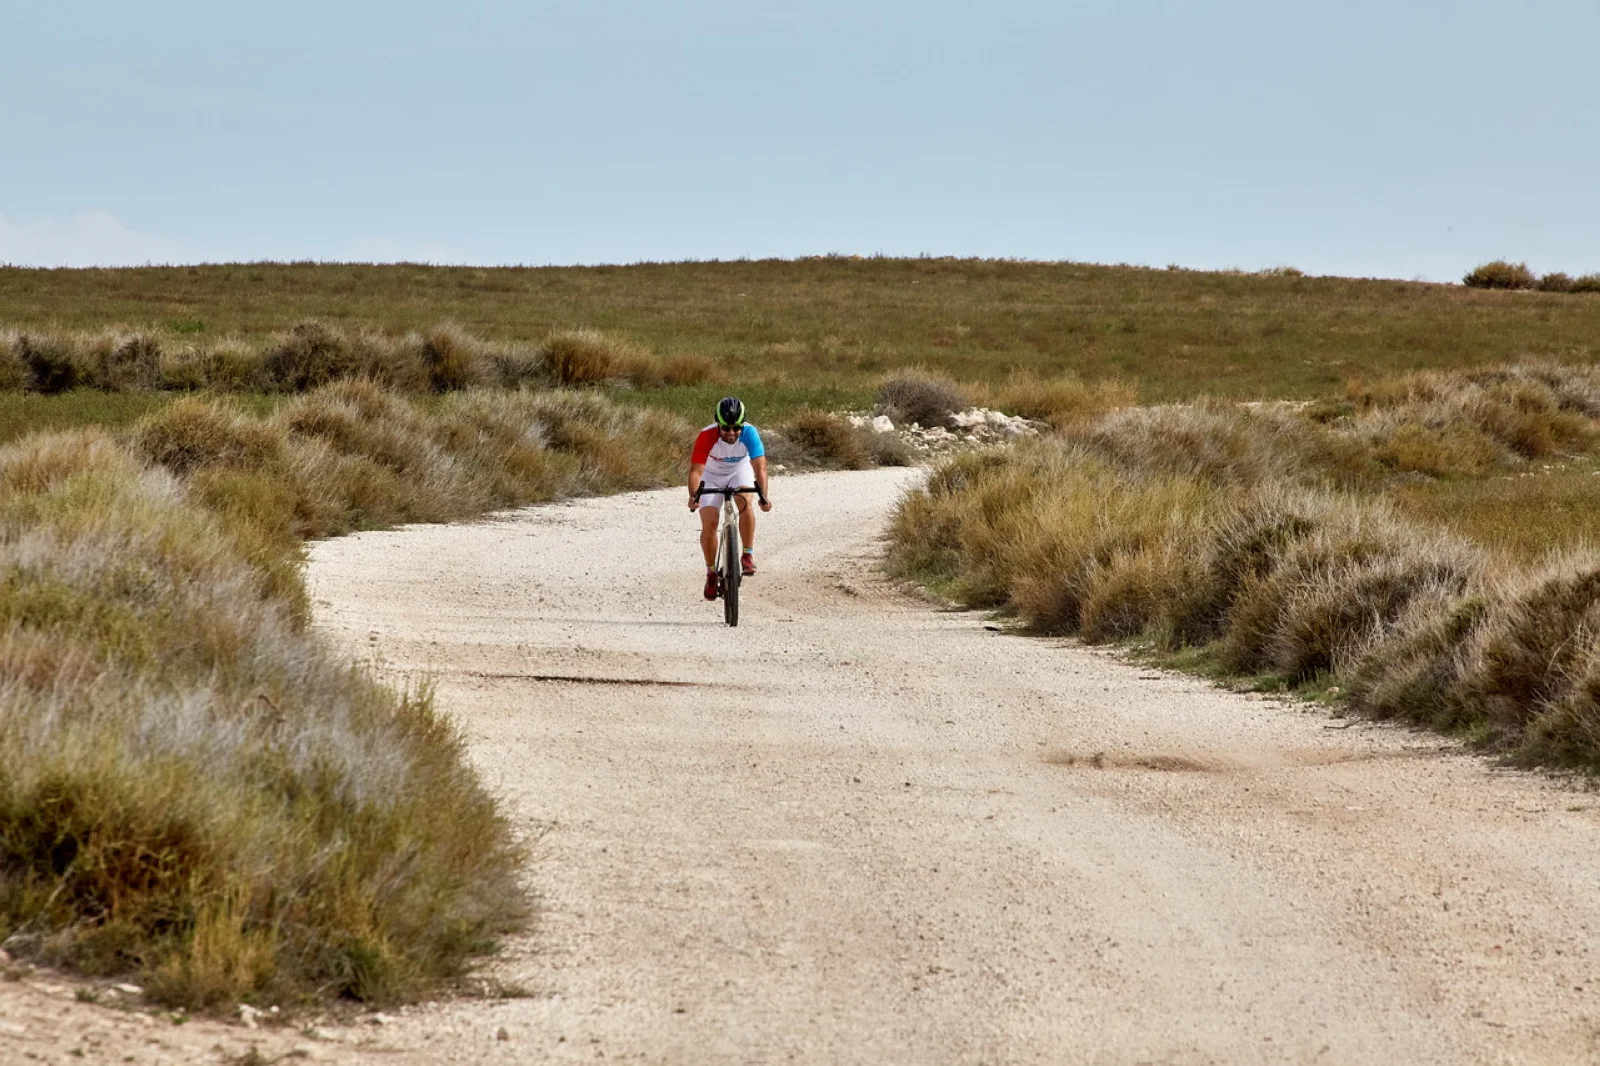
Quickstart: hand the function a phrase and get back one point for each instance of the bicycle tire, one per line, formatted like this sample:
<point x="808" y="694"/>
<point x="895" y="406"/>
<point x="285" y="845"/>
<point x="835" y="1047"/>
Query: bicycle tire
<point x="730" y="576"/>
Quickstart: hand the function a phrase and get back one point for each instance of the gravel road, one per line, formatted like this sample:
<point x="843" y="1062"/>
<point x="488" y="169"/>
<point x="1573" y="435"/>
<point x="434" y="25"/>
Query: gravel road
<point x="862" y="829"/>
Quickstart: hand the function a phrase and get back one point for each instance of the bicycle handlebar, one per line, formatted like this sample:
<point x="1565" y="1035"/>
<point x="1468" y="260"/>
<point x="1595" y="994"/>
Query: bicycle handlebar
<point x="701" y="489"/>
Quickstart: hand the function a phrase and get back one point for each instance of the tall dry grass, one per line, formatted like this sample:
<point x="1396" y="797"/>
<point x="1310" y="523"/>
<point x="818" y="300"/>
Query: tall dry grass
<point x="1261" y="535"/>
<point x="193" y="788"/>
<point x="439" y="359"/>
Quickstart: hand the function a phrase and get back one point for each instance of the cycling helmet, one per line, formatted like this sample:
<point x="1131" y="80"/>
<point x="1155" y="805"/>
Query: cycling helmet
<point x="730" y="413"/>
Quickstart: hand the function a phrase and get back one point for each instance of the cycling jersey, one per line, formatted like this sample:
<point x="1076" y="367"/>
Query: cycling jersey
<point x="727" y="465"/>
<point x="719" y="456"/>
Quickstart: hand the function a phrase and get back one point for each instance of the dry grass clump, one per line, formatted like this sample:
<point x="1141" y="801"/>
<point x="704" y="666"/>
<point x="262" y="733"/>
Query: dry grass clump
<point x="590" y="357"/>
<point x="1326" y="598"/>
<point x="1513" y="668"/>
<point x="1228" y="444"/>
<point x="226" y="365"/>
<point x="1215" y="528"/>
<point x="1060" y="401"/>
<point x="55" y="364"/>
<point x="192" y="788"/>
<point x="1499" y="274"/>
<point x="819" y="438"/>
<point x="14" y="373"/>
<point x="1292" y="583"/>
<point x="1467" y="421"/>
<point x="1039" y="528"/>
<point x="922" y="397"/>
<point x="195" y="790"/>
<point x="440" y="359"/>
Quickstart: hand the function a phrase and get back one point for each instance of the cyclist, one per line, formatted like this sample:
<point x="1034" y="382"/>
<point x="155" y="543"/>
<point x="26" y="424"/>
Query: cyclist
<point x="727" y="454"/>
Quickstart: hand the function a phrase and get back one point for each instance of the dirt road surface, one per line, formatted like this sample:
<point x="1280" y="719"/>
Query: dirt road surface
<point x="859" y="829"/>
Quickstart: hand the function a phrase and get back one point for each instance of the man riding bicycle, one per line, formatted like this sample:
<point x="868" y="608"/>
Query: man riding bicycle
<point x="727" y="454"/>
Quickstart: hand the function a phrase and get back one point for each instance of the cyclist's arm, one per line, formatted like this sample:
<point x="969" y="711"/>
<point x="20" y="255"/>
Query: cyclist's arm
<point x="759" y="465"/>
<point x="697" y="472"/>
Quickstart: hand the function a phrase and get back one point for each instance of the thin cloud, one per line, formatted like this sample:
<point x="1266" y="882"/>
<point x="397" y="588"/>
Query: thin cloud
<point x="90" y="239"/>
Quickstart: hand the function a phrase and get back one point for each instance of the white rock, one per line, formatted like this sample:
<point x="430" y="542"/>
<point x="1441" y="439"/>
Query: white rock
<point x="129" y="990"/>
<point x="248" y="1015"/>
<point x="882" y="424"/>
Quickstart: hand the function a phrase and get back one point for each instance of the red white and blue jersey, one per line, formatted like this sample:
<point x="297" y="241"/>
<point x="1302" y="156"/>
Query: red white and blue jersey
<point x="723" y="460"/>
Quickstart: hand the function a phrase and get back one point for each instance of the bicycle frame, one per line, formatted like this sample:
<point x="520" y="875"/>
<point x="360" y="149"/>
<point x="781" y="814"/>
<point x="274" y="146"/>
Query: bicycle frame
<point x="727" y="554"/>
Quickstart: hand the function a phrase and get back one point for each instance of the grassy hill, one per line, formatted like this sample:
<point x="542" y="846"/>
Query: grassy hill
<point x="837" y="324"/>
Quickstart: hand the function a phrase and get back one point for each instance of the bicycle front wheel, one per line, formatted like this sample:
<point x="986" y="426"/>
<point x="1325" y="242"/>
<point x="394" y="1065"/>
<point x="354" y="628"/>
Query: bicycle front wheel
<point x="730" y="575"/>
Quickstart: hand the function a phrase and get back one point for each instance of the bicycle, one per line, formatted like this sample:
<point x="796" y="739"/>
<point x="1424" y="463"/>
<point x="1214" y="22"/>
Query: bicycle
<point x="727" y="561"/>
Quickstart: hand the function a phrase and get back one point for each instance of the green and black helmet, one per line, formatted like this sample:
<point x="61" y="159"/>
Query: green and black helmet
<point x="730" y="413"/>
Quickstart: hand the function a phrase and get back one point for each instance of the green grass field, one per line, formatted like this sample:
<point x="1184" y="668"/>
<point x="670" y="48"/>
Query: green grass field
<point x="841" y="323"/>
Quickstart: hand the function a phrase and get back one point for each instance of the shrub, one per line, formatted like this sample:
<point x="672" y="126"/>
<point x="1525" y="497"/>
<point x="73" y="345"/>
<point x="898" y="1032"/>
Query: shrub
<point x="586" y="356"/>
<point x="888" y="449"/>
<point x="687" y="370"/>
<point x="14" y="376"/>
<point x="1228" y="444"/>
<point x="1531" y="644"/>
<point x="226" y="366"/>
<point x="54" y="364"/>
<point x="1499" y="274"/>
<point x="1412" y="447"/>
<point x="515" y="364"/>
<point x="924" y="398"/>
<point x="1061" y="401"/>
<point x="1415" y="674"/>
<point x="453" y="360"/>
<point x="1555" y="282"/>
<point x="1586" y="283"/>
<point x="825" y="439"/>
<point x="192" y="434"/>
<point x="309" y="356"/>
<point x="119" y="363"/>
<point x="193" y="790"/>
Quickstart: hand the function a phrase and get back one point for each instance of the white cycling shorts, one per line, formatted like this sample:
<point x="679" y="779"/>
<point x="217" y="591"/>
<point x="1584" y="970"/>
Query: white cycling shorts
<point x="742" y="475"/>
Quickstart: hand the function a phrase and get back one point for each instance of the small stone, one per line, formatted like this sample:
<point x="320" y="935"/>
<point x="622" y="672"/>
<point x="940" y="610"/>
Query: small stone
<point x="882" y="424"/>
<point x="129" y="990"/>
<point x="501" y="1034"/>
<point x="248" y="1015"/>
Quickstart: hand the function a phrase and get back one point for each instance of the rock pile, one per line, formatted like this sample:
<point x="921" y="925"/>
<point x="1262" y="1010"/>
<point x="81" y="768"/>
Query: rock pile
<point x="974" y="426"/>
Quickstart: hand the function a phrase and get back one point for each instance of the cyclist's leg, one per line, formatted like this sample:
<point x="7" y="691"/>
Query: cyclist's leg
<point x="709" y="515"/>
<point x="747" y="522"/>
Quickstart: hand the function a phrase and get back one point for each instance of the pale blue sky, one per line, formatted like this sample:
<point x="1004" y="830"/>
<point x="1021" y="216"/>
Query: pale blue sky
<point x="1405" y="138"/>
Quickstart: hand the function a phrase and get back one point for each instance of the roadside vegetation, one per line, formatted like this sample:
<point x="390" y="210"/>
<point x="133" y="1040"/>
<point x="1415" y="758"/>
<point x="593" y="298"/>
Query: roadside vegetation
<point x="1421" y="546"/>
<point x="193" y="788"/>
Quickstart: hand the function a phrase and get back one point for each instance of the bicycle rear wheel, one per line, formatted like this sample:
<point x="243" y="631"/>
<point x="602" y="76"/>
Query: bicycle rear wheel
<point x="730" y="575"/>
